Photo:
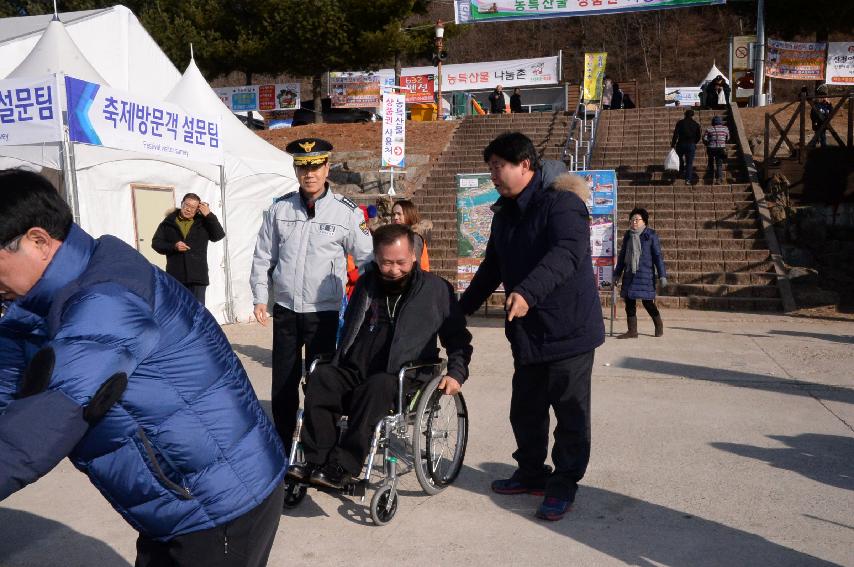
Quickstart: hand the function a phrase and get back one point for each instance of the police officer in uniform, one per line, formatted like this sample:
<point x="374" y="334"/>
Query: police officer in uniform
<point x="302" y="248"/>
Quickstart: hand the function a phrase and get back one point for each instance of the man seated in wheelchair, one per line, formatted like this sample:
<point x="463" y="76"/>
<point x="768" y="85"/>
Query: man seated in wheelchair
<point x="394" y="316"/>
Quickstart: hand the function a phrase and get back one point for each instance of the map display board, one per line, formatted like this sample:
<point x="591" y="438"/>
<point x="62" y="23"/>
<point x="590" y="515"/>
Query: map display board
<point x="475" y="194"/>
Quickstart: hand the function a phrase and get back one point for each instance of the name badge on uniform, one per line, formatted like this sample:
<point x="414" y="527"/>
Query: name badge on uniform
<point x="327" y="229"/>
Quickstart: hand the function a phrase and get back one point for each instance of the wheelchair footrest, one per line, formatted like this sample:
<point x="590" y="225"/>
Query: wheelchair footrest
<point x="358" y="488"/>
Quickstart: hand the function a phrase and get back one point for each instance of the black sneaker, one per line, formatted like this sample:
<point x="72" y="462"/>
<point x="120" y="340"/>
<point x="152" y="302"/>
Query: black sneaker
<point x="518" y="484"/>
<point x="331" y="476"/>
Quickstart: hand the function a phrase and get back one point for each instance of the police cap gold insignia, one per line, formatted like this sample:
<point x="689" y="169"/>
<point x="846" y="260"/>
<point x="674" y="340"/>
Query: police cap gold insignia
<point x="309" y="151"/>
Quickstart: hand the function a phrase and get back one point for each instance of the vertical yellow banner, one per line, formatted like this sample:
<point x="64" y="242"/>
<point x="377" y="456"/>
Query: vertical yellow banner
<point x="594" y="73"/>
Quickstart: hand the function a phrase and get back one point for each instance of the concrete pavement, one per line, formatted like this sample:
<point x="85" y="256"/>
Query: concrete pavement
<point x="728" y="441"/>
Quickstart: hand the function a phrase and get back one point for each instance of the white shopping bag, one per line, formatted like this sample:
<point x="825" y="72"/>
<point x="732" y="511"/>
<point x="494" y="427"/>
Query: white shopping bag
<point x="671" y="162"/>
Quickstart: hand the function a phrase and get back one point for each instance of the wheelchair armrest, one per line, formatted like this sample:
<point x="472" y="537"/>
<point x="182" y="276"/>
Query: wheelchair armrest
<point x="438" y="364"/>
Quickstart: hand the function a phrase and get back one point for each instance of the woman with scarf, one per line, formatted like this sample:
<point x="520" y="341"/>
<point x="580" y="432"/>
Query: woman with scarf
<point x="639" y="261"/>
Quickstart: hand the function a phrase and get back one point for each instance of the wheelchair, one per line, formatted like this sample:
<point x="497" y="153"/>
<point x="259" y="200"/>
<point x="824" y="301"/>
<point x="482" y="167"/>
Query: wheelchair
<point x="427" y="432"/>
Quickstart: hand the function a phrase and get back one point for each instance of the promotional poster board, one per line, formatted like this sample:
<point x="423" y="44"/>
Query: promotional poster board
<point x="797" y="61"/>
<point x="29" y="111"/>
<point x="840" y="63"/>
<point x="475" y="195"/>
<point x="421" y="88"/>
<point x="103" y="116"/>
<point x="357" y="90"/>
<point x="470" y="11"/>
<point x="603" y="223"/>
<point x="594" y="74"/>
<point x="280" y="96"/>
<point x="394" y="130"/>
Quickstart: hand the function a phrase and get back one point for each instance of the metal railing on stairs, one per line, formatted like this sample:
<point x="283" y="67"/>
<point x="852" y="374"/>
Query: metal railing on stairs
<point x="581" y="135"/>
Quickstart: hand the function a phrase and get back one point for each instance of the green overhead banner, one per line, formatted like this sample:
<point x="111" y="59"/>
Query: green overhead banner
<point x="472" y="11"/>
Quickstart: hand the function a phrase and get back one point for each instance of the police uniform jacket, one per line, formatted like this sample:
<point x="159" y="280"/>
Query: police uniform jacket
<point x="305" y="257"/>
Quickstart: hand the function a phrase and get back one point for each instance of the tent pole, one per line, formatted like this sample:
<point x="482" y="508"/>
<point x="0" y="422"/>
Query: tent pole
<point x="229" y="292"/>
<point x="70" y="176"/>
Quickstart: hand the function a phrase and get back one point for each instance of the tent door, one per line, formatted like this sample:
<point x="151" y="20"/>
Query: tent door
<point x="150" y="204"/>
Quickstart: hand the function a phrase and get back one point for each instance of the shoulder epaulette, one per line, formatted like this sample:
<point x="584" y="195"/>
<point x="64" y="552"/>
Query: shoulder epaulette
<point x="283" y="197"/>
<point x="353" y="206"/>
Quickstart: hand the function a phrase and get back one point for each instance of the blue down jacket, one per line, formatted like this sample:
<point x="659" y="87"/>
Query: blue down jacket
<point x="641" y="285"/>
<point x="188" y="446"/>
<point x="20" y="333"/>
<point x="539" y="247"/>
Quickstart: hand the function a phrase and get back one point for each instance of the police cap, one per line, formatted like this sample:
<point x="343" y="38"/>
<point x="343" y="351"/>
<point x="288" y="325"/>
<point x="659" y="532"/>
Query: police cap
<point x="309" y="151"/>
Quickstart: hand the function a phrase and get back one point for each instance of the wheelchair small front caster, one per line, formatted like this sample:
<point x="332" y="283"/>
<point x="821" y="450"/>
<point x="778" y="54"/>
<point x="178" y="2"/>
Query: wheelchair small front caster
<point x="294" y="494"/>
<point x="384" y="505"/>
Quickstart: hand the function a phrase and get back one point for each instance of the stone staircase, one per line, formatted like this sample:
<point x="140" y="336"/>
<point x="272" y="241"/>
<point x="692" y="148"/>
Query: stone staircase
<point x="436" y="199"/>
<point x="711" y="237"/>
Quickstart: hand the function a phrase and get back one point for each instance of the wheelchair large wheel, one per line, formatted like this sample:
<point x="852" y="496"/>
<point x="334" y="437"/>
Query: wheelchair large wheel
<point x="439" y="437"/>
<point x="384" y="505"/>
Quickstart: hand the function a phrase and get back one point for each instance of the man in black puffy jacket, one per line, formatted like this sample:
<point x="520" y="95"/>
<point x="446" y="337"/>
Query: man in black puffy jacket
<point x="183" y="238"/>
<point x="395" y="315"/>
<point x="539" y="249"/>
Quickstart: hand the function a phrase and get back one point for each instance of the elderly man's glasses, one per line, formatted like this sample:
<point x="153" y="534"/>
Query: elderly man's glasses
<point x="12" y="245"/>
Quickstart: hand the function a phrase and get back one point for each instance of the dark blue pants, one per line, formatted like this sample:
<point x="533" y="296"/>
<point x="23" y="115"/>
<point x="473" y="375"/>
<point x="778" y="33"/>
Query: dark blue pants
<point x="686" y="154"/>
<point x="563" y="385"/>
<point x="717" y="156"/>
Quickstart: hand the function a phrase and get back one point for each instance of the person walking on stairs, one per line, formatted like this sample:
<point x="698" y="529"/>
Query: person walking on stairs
<point x="715" y="138"/>
<point x="639" y="262"/>
<point x="686" y="135"/>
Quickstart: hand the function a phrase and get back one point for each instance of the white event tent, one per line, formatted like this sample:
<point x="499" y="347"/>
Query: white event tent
<point x="104" y="179"/>
<point x="255" y="173"/>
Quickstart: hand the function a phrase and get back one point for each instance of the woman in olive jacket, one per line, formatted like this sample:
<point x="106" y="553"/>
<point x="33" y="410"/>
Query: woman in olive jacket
<point x="183" y="238"/>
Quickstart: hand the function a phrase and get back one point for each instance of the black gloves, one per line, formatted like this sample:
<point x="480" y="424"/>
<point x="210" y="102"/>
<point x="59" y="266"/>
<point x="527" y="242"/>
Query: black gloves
<point x="40" y="369"/>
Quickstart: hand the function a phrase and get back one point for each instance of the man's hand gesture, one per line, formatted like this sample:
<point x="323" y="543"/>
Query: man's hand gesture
<point x="515" y="306"/>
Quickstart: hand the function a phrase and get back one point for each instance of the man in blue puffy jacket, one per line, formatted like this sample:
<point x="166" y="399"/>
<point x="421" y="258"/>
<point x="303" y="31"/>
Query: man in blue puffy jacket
<point x="539" y="249"/>
<point x="186" y="455"/>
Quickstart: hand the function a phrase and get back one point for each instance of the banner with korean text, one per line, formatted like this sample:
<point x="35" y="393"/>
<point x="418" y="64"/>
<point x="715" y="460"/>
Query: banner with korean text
<point x="682" y="96"/>
<point x="490" y="74"/>
<point x="840" y="63"/>
<point x="357" y="90"/>
<point x="103" y="116"/>
<point x="421" y="88"/>
<point x="470" y="11"/>
<point x="394" y="130"/>
<point x="281" y="96"/>
<point x="796" y="61"/>
<point x="29" y="112"/>
<point x="594" y="74"/>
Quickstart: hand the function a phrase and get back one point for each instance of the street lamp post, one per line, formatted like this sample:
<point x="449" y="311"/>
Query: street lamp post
<point x="440" y="35"/>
